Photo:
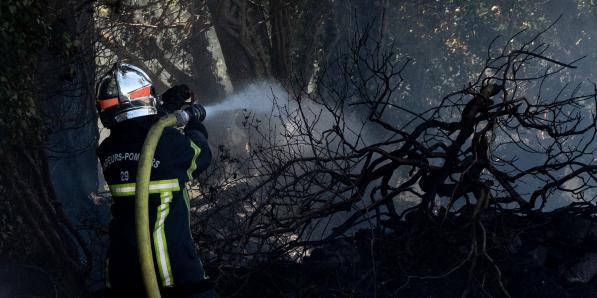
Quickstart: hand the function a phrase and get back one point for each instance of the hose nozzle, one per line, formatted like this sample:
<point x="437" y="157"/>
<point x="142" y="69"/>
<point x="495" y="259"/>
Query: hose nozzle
<point x="196" y="112"/>
<point x="193" y="112"/>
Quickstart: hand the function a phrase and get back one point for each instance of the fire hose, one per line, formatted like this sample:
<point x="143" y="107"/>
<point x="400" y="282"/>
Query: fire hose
<point x="178" y="118"/>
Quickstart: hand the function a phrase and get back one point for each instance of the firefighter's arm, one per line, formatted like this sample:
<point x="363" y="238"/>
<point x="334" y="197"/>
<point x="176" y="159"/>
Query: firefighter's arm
<point x="197" y="136"/>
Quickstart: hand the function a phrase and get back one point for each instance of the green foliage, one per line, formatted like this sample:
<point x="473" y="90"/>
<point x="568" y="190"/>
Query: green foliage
<point x="22" y="33"/>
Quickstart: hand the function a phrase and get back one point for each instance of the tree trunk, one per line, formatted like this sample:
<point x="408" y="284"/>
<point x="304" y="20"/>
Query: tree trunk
<point x="36" y="233"/>
<point x="209" y="89"/>
<point x="242" y="33"/>
<point x="281" y="40"/>
<point x="34" y="229"/>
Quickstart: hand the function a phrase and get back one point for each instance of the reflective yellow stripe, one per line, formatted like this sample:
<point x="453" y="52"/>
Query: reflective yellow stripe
<point x="122" y="190"/>
<point x="185" y="195"/>
<point x="164" y="186"/>
<point x="159" y="186"/>
<point x="190" y="170"/>
<point x="159" y="240"/>
<point x="193" y="165"/>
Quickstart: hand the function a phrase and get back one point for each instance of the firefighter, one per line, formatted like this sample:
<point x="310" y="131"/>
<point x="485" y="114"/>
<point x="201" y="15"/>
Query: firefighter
<point x="128" y="106"/>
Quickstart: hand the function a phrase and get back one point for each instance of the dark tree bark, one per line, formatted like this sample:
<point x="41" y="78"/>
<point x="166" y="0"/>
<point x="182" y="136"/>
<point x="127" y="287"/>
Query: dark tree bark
<point x="36" y="232"/>
<point x="204" y="68"/>
<point x="34" y="227"/>
<point x="242" y="33"/>
<point x="281" y="39"/>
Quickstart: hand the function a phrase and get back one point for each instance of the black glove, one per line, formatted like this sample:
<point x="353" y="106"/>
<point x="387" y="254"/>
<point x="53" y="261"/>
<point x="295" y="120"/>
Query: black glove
<point x="175" y="98"/>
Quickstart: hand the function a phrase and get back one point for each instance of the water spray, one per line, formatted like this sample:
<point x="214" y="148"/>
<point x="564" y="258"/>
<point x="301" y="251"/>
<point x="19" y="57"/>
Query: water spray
<point x="255" y="98"/>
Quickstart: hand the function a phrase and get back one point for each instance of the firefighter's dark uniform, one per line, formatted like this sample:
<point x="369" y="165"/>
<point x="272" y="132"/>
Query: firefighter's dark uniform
<point x="178" y="158"/>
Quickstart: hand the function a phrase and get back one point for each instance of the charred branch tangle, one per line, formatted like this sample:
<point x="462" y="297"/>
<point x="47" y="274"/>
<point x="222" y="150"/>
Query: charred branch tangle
<point x="314" y="175"/>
